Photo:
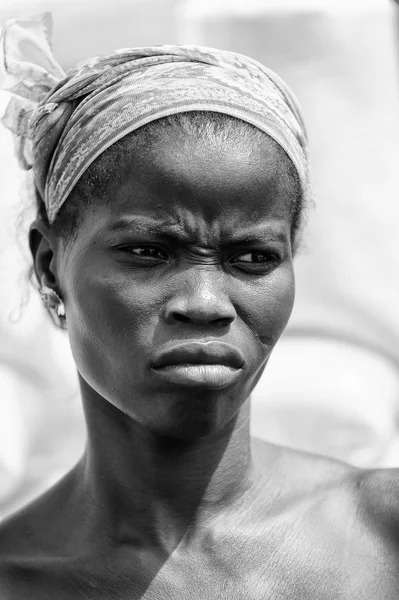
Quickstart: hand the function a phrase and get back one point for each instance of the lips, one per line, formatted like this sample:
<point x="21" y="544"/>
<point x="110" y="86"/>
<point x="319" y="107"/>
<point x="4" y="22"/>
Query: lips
<point x="199" y="353"/>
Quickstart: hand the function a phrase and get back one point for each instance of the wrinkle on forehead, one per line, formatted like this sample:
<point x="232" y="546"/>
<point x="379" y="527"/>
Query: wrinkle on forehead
<point x="176" y="163"/>
<point x="209" y="169"/>
<point x="201" y="192"/>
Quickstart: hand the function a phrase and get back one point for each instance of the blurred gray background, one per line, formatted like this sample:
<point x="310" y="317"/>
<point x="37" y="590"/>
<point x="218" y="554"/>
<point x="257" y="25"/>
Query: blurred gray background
<point x="332" y="384"/>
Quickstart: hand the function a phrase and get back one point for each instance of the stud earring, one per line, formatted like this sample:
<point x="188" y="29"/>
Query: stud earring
<point x="54" y="305"/>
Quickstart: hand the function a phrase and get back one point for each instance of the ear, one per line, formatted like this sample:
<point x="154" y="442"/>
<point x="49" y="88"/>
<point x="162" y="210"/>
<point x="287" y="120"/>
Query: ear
<point x="41" y="244"/>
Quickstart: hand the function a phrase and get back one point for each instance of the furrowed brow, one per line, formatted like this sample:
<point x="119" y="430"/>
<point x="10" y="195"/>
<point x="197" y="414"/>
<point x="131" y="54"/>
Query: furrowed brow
<point x="176" y="232"/>
<point x="148" y="226"/>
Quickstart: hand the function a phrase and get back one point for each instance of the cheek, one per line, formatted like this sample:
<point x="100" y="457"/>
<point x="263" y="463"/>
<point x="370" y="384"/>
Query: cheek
<point x="111" y="318"/>
<point x="270" y="303"/>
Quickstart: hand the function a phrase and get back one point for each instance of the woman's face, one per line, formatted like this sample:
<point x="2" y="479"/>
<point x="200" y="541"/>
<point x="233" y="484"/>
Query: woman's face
<point x="177" y="291"/>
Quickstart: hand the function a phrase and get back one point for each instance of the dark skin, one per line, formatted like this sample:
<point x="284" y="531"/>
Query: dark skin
<point x="172" y="498"/>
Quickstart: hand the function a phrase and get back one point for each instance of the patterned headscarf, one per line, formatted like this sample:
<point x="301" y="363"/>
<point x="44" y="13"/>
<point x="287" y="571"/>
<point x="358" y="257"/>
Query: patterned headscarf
<point x="62" y="123"/>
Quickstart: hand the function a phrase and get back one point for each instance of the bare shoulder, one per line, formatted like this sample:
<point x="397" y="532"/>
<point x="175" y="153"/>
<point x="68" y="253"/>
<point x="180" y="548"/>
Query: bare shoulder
<point x="31" y="543"/>
<point x="366" y="501"/>
<point x="36" y="528"/>
<point x="378" y="492"/>
<point x="340" y="523"/>
<point x="17" y="552"/>
<point x="369" y="496"/>
<point x="23" y="541"/>
<point x="16" y="529"/>
<point x="303" y="472"/>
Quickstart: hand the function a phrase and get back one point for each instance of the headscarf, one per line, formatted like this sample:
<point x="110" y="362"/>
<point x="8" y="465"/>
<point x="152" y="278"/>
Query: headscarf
<point x="63" y="122"/>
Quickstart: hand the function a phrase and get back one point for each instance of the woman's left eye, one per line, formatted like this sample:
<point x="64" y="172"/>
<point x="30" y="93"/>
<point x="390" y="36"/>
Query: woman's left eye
<point x="256" y="261"/>
<point x="253" y="257"/>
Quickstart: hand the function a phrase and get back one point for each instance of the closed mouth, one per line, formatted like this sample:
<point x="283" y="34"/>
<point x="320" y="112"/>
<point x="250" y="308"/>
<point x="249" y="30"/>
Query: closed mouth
<point x="199" y="353"/>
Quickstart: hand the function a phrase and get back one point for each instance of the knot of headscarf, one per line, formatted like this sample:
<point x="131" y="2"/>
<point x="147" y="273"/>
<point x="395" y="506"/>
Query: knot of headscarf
<point x="62" y="123"/>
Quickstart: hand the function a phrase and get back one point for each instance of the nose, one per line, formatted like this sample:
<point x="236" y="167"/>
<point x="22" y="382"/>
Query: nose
<point x="201" y="301"/>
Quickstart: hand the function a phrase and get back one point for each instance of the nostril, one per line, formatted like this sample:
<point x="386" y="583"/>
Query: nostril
<point x="223" y="322"/>
<point x="180" y="318"/>
<point x="208" y="310"/>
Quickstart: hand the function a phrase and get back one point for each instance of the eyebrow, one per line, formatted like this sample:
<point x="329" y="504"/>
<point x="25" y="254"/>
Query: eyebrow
<point x="260" y="233"/>
<point x="149" y="226"/>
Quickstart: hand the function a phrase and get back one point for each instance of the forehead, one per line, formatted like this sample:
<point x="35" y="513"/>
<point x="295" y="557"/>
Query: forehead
<point x="198" y="183"/>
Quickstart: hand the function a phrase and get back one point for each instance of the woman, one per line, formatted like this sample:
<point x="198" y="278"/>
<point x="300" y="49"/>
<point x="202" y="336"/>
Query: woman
<point x="171" y="184"/>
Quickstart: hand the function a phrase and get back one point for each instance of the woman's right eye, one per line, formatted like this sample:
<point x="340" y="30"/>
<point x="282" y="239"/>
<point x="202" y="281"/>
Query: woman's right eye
<point x="146" y="253"/>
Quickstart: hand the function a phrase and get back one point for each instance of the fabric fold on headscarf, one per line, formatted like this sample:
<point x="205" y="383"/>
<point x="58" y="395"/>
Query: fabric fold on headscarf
<point x="28" y="71"/>
<point x="64" y="122"/>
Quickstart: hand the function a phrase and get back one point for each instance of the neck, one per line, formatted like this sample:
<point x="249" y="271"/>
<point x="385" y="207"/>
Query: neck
<point x="153" y="489"/>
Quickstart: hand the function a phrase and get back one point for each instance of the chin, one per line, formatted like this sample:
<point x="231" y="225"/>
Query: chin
<point x="202" y="420"/>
